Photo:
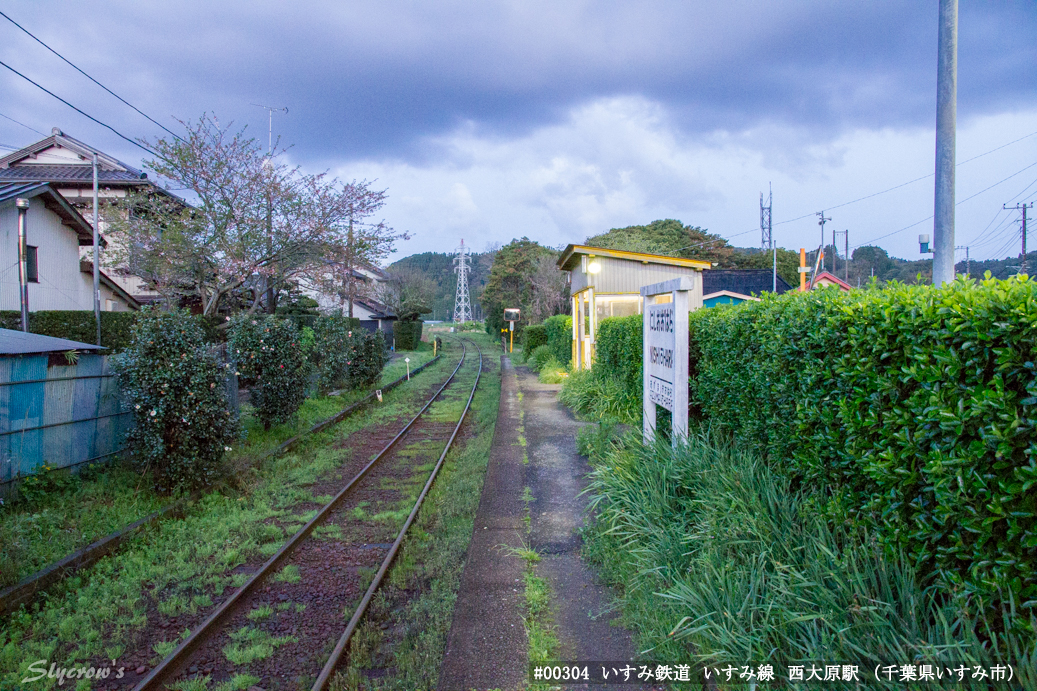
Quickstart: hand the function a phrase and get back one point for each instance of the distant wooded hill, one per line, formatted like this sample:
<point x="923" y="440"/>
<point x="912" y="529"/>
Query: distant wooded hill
<point x="438" y="267"/>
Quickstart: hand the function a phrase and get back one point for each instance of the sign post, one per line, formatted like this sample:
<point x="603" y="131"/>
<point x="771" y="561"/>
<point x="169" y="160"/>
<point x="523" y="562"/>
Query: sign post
<point x="665" y="355"/>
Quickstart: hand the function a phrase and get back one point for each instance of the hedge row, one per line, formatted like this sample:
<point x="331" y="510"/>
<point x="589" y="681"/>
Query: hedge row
<point x="914" y="407"/>
<point x="618" y="351"/>
<point x="76" y="325"/>
<point x="534" y="336"/>
<point x="559" y="330"/>
<point x="407" y="334"/>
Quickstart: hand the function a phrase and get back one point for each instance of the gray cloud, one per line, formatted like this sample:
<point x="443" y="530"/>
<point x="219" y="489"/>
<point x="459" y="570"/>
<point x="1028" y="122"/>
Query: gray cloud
<point x="378" y="79"/>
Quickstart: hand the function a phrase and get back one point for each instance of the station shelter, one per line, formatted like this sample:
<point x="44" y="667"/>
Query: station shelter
<point x="607" y="283"/>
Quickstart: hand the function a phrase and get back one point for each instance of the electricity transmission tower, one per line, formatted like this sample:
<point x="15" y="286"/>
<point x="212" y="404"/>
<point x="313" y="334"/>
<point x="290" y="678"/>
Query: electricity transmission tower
<point x="767" y="234"/>
<point x="462" y="265"/>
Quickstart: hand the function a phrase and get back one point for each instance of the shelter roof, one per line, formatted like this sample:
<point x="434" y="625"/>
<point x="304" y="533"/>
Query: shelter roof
<point x="572" y="253"/>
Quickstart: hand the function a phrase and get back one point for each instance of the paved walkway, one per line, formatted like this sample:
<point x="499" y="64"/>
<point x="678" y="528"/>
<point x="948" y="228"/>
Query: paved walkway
<point x="487" y="644"/>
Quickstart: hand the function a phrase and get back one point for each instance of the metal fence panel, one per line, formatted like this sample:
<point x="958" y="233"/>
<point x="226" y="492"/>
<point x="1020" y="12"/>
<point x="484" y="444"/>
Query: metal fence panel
<point x="61" y="416"/>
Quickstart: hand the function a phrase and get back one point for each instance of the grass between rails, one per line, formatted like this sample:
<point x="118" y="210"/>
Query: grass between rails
<point x="76" y="510"/>
<point x="719" y="559"/>
<point x="401" y="642"/>
<point x="183" y="566"/>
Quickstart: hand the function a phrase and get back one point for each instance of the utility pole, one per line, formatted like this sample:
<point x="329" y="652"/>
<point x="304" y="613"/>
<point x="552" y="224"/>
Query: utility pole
<point x="846" y="252"/>
<point x="946" y="124"/>
<point x="822" y="219"/>
<point x="97" y="261"/>
<point x="269" y="164"/>
<point x="767" y="235"/>
<point x="1023" y="208"/>
<point x="462" y="305"/>
<point x="968" y="264"/>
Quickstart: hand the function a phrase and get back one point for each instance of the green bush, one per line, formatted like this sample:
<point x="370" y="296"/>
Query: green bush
<point x="175" y="388"/>
<point x="76" y="325"/>
<point x="345" y="355"/>
<point x="534" y="336"/>
<point x="560" y="337"/>
<point x="914" y="406"/>
<point x="407" y="334"/>
<point x="540" y="357"/>
<point x="269" y="357"/>
<point x="617" y="351"/>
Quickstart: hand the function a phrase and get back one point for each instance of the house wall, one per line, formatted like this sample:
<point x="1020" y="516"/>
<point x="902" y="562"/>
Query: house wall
<point x="61" y="286"/>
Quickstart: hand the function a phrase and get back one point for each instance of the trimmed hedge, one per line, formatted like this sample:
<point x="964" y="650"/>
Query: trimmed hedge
<point x="618" y="351"/>
<point x="76" y="325"/>
<point x="534" y="336"/>
<point x="407" y="334"/>
<point x="560" y="337"/>
<point x="914" y="408"/>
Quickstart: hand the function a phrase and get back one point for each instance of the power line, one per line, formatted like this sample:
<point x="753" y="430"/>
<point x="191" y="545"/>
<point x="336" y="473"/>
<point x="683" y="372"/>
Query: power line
<point x="8" y="117"/>
<point x="973" y="196"/>
<point x="76" y="68"/>
<point x="909" y="182"/>
<point x="91" y="117"/>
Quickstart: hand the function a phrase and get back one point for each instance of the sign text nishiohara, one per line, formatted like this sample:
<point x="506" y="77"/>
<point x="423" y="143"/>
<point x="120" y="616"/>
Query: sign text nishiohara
<point x="661" y="345"/>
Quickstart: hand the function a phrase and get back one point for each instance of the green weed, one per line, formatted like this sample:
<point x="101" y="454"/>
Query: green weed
<point x="249" y="644"/>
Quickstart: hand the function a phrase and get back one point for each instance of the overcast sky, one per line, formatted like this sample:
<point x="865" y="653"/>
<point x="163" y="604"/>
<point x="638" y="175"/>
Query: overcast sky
<point x="556" y="120"/>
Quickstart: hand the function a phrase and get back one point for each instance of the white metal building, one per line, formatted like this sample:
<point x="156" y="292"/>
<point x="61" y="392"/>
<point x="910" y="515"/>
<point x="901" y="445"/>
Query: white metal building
<point x="607" y="283"/>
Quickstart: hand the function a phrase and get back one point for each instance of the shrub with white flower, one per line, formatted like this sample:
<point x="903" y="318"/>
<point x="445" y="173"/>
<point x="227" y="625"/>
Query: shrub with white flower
<point x="345" y="357"/>
<point x="175" y="386"/>
<point x="271" y="362"/>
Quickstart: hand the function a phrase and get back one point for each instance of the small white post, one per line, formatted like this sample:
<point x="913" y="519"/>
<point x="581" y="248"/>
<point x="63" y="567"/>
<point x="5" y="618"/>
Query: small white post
<point x="407" y="360"/>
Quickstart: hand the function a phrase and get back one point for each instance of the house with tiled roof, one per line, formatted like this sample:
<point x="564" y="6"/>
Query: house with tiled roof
<point x="57" y="278"/>
<point x="66" y="164"/>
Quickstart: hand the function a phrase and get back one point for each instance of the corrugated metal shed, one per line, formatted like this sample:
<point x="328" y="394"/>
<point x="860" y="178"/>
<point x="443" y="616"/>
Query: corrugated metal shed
<point x="20" y="343"/>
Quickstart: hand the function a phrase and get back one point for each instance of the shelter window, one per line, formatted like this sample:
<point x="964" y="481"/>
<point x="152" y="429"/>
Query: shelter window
<point x="616" y="306"/>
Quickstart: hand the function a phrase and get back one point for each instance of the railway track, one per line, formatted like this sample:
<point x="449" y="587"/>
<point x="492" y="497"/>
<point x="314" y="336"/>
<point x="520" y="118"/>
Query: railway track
<point x="284" y="625"/>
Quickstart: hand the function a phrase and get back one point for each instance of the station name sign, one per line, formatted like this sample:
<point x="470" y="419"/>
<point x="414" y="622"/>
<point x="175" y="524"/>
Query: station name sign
<point x="665" y="352"/>
<point x="662" y="342"/>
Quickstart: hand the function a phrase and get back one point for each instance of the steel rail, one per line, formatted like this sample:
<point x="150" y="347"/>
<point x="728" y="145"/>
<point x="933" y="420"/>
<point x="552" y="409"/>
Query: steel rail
<point x="172" y="663"/>
<point x="329" y="668"/>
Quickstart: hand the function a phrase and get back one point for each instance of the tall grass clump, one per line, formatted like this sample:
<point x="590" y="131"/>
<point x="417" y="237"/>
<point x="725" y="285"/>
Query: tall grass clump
<point x="720" y="557"/>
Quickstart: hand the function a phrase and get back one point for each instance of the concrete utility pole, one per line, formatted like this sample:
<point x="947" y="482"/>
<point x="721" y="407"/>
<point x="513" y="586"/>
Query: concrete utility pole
<point x="1023" y="208"/>
<point x="822" y="219"/>
<point x="968" y="262"/>
<point x="846" y="252"/>
<point x="946" y="123"/>
<point x="97" y="261"/>
<point x="23" y="266"/>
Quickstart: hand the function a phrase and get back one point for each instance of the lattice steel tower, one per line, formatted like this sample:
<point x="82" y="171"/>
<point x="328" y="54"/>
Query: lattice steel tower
<point x="462" y="265"/>
<point x="766" y="234"/>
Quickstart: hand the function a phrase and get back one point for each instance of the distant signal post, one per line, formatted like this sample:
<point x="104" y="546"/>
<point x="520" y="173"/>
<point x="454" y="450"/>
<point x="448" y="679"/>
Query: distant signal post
<point x="512" y="315"/>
